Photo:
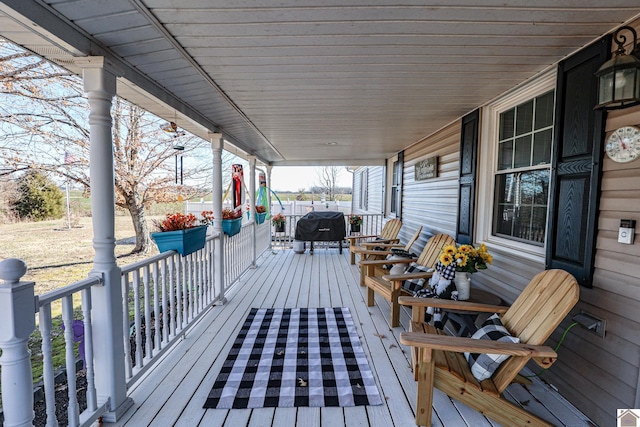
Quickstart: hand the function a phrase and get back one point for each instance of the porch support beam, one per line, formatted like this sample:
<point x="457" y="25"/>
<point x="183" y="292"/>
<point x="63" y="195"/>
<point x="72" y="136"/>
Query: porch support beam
<point x="252" y="209"/>
<point x="217" y="145"/>
<point x="269" y="167"/>
<point x="100" y="84"/>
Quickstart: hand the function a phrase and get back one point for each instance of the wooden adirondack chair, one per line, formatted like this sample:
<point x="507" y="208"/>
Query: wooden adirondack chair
<point x="439" y="360"/>
<point x="367" y="253"/>
<point x="390" y="286"/>
<point x="388" y="234"/>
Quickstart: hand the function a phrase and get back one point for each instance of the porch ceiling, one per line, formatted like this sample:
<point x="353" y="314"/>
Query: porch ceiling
<point x="281" y="79"/>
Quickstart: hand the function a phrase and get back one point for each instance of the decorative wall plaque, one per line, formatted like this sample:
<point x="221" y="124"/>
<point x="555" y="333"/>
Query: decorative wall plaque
<point x="427" y="168"/>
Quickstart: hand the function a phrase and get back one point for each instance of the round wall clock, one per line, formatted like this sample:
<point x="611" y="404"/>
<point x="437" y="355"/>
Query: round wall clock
<point x="623" y="145"/>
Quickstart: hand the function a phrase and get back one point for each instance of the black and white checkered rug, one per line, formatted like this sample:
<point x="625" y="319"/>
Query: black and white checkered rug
<point x="295" y="357"/>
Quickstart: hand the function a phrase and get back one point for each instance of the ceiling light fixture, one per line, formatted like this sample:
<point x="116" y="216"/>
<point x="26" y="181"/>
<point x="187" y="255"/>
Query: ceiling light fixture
<point x="619" y="77"/>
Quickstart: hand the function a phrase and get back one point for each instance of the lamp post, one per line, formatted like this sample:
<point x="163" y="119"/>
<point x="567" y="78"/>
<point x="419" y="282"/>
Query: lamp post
<point x="619" y="77"/>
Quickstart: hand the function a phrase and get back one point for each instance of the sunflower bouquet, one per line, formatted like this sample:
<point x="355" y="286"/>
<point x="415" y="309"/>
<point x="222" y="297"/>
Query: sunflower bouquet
<point x="466" y="258"/>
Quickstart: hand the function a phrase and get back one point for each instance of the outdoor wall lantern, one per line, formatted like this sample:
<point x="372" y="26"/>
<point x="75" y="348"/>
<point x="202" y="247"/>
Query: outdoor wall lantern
<point x="619" y="77"/>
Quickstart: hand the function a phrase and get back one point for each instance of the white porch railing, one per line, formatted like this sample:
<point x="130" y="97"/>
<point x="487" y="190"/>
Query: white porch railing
<point x="371" y="225"/>
<point x="75" y="330"/>
<point x="162" y="297"/>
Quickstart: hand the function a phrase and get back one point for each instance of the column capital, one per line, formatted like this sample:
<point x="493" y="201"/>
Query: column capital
<point x="216" y="140"/>
<point x="88" y="62"/>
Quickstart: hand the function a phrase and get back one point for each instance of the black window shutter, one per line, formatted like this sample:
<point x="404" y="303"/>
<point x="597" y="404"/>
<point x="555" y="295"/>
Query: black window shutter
<point x="467" y="181"/>
<point x="577" y="164"/>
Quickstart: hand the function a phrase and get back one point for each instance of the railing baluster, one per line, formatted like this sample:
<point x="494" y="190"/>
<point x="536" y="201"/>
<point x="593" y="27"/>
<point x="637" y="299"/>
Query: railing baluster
<point x="178" y="286"/>
<point x="44" y="317"/>
<point x="165" y="304"/>
<point x="148" y="349"/>
<point x="174" y="305"/>
<point x="156" y="309"/>
<point x="92" y="401"/>
<point x="136" y="319"/>
<point x="126" y="329"/>
<point x="73" y="411"/>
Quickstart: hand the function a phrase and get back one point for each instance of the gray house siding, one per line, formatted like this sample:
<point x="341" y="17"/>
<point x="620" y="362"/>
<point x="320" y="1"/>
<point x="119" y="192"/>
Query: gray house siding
<point x="431" y="203"/>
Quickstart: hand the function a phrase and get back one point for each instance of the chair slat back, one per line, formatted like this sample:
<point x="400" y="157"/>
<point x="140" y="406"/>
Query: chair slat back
<point x="535" y="314"/>
<point x="413" y="239"/>
<point x="432" y="250"/>
<point x="541" y="306"/>
<point x="391" y="229"/>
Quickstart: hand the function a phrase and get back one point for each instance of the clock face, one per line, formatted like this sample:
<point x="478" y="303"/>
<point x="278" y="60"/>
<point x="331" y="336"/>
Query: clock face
<point x="623" y="145"/>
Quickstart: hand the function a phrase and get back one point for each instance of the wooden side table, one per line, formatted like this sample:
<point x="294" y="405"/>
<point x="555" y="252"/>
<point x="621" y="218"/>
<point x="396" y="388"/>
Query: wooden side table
<point x="464" y="322"/>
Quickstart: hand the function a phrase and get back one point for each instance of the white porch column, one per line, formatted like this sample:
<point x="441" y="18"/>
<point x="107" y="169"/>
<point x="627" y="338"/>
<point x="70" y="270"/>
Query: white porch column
<point x="217" y="145"/>
<point x="252" y="200"/>
<point x="269" y="167"/>
<point x="100" y="85"/>
<point x="17" y="317"/>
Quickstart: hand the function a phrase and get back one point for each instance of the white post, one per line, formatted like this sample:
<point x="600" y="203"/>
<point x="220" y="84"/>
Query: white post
<point x="100" y="85"/>
<point x="217" y="145"/>
<point x="17" y="317"/>
<point x="269" y="167"/>
<point x="68" y="205"/>
<point x="252" y="201"/>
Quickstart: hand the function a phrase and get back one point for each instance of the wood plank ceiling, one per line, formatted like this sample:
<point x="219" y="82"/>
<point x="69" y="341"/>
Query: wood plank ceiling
<point x="284" y="78"/>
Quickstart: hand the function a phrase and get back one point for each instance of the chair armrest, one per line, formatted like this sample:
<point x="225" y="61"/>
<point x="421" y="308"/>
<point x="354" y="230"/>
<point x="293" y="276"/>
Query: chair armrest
<point x="361" y="237"/>
<point x="462" y="344"/>
<point x="407" y="276"/>
<point x="387" y="243"/>
<point x="448" y="304"/>
<point x="387" y="261"/>
<point x="359" y="250"/>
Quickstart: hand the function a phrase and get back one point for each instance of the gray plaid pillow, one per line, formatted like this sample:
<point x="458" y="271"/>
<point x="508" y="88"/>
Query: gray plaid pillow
<point x="413" y="285"/>
<point x="484" y="365"/>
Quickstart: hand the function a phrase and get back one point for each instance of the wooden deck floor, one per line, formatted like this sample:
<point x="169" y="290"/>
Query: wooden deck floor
<point x="173" y="392"/>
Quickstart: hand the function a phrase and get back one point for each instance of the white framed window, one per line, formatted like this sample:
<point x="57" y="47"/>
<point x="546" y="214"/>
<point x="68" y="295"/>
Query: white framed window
<point x="393" y="185"/>
<point x="364" y="190"/>
<point x="515" y="163"/>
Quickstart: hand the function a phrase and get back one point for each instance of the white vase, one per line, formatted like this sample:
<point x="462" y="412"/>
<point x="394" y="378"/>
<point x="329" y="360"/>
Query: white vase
<point x="462" y="280"/>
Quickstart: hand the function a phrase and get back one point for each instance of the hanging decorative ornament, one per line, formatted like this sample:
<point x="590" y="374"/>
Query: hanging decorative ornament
<point x="172" y="127"/>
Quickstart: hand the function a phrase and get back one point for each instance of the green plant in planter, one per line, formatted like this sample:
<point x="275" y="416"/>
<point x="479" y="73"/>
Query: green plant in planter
<point x="180" y="232"/>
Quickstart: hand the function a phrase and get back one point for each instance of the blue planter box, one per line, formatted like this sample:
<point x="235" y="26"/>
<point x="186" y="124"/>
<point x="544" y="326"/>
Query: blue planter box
<point x="260" y="217"/>
<point x="231" y="227"/>
<point x="182" y="241"/>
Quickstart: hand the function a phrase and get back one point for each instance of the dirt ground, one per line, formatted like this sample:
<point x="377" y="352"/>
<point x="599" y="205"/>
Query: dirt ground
<point x="57" y="256"/>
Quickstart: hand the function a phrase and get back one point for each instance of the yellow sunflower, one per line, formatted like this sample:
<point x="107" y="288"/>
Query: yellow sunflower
<point x="446" y="259"/>
<point x="465" y="249"/>
<point x="450" y="250"/>
<point x="461" y="259"/>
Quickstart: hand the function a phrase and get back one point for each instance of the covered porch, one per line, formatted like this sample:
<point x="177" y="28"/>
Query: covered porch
<point x="372" y="84"/>
<point x="173" y="392"/>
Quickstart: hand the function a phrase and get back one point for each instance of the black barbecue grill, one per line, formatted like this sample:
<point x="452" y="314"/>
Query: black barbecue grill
<point x="321" y="227"/>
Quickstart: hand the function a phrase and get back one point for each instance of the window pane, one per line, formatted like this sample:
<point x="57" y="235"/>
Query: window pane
<point x="540" y="187"/>
<point x="544" y="111"/>
<point x="506" y="124"/>
<point x="505" y="154"/>
<point x="521" y="205"/>
<point x="542" y="147"/>
<point x="524" y="118"/>
<point x="522" y="157"/>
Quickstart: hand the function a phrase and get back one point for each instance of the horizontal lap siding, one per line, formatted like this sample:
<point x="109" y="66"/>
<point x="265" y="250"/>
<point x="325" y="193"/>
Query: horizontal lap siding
<point x="601" y="375"/>
<point x="432" y="203"/>
<point x="375" y="186"/>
